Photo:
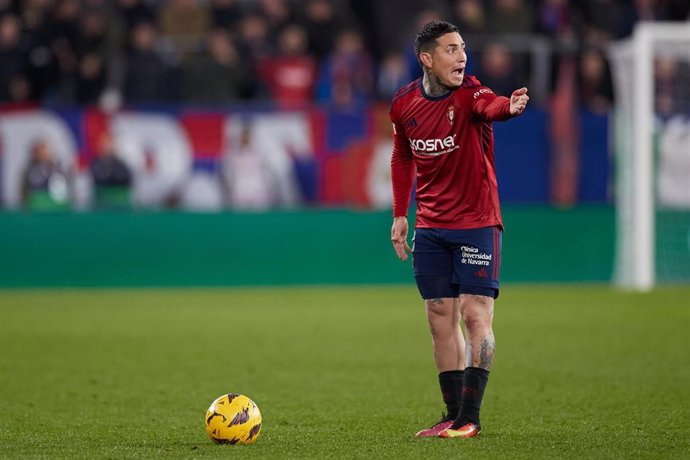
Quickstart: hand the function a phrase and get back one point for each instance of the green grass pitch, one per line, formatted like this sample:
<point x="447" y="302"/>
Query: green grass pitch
<point x="345" y="372"/>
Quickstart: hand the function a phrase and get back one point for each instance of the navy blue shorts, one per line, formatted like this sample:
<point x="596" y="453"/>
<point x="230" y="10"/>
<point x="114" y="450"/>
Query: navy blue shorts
<point x="448" y="263"/>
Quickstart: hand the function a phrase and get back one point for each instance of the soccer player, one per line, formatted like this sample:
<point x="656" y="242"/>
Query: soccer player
<point x="442" y="129"/>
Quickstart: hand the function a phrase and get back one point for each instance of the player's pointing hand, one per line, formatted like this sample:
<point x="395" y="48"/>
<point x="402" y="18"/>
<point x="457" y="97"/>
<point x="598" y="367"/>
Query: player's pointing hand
<point x="518" y="101"/>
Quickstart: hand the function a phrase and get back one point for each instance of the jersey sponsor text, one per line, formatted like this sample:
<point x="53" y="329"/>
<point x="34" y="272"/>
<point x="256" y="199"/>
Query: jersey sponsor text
<point x="433" y="147"/>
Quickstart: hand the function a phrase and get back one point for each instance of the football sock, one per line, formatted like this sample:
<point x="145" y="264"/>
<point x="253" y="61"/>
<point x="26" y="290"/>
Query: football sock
<point x="451" y="389"/>
<point x="473" y="388"/>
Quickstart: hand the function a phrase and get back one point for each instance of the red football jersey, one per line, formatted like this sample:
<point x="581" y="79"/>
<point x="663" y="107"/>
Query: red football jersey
<point x="290" y="79"/>
<point x="449" y="141"/>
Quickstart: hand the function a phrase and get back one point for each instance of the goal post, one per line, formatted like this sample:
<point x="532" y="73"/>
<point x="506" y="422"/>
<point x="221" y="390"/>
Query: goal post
<point x="642" y="120"/>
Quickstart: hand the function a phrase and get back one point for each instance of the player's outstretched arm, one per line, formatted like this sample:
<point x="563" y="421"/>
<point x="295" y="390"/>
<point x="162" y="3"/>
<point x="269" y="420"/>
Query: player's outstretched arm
<point x="518" y="101"/>
<point x="399" y="237"/>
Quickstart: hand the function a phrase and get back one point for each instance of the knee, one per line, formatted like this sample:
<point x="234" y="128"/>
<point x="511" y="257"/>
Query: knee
<point x="440" y="317"/>
<point x="477" y="312"/>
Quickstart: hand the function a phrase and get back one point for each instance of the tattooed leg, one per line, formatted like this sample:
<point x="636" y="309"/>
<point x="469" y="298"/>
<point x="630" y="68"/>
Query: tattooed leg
<point x="478" y="312"/>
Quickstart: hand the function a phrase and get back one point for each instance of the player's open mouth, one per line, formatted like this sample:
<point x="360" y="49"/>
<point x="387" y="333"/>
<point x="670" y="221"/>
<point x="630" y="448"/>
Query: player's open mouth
<point x="458" y="72"/>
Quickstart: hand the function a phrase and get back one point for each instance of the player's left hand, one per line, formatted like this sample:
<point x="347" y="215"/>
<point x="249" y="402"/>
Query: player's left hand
<point x="518" y="101"/>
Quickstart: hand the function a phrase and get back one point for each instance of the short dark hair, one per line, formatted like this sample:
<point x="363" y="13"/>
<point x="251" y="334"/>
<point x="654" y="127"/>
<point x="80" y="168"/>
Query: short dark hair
<point x="426" y="38"/>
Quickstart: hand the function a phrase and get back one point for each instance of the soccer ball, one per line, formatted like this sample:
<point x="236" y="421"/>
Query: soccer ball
<point x="233" y="419"/>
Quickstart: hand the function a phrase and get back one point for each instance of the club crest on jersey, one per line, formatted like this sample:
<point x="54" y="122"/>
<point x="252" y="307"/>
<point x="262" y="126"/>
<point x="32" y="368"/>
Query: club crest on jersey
<point x="451" y="113"/>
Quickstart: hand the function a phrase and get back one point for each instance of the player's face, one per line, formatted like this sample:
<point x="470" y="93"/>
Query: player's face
<point x="448" y="60"/>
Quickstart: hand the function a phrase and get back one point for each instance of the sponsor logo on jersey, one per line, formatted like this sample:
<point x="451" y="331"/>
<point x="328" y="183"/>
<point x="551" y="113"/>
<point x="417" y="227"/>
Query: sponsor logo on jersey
<point x="482" y="91"/>
<point x="471" y="255"/>
<point x="433" y="147"/>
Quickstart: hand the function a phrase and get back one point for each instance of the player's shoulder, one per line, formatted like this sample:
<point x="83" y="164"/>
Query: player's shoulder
<point x="470" y="82"/>
<point x="472" y="87"/>
<point x="405" y="92"/>
<point x="401" y="99"/>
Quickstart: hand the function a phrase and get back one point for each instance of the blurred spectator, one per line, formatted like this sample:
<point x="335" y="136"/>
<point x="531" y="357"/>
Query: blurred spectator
<point x="13" y="84"/>
<point x="254" y="44"/>
<point x="320" y="22"/>
<point x="65" y="23"/>
<point x="470" y="16"/>
<point x="8" y="7"/>
<point x="638" y="10"/>
<point x="217" y="76"/>
<point x="100" y="32"/>
<point x="64" y="34"/>
<point x="366" y="15"/>
<point x="393" y="23"/>
<point x="45" y="184"/>
<point x="290" y="76"/>
<point x="346" y="77"/>
<point x="277" y="13"/>
<point x="135" y="12"/>
<point x="393" y="75"/>
<point x="112" y="177"/>
<point x="255" y="41"/>
<point x="42" y="72"/>
<point x="595" y="86"/>
<point x="599" y="19"/>
<point x="183" y="25"/>
<point x="553" y="17"/>
<point x="672" y="92"/>
<point x="146" y="73"/>
<point x="92" y="34"/>
<point x="497" y="70"/>
<point x="184" y="18"/>
<point x="248" y="175"/>
<point x="90" y="81"/>
<point x="99" y="49"/>
<point x="510" y="17"/>
<point x="225" y="14"/>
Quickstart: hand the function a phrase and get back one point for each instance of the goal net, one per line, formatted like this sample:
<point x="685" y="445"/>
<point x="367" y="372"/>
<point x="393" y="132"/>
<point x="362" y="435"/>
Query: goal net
<point x="651" y="137"/>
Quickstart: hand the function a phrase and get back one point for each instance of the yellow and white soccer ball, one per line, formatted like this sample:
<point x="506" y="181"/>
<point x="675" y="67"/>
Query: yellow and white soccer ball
<point x="233" y="419"/>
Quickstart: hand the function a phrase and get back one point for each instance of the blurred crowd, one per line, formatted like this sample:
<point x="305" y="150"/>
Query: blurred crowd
<point x="345" y="54"/>
<point x="294" y="52"/>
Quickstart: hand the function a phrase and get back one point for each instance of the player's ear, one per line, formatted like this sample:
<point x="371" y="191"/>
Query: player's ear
<point x="426" y="59"/>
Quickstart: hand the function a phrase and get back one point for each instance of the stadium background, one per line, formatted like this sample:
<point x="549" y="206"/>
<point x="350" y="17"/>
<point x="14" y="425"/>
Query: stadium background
<point x="172" y="86"/>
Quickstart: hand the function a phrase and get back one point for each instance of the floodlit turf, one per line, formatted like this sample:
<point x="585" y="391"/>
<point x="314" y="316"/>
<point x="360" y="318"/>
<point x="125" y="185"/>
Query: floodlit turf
<point x="580" y="372"/>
